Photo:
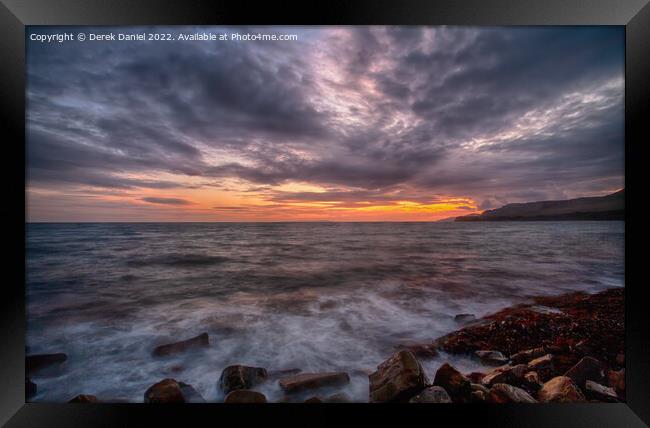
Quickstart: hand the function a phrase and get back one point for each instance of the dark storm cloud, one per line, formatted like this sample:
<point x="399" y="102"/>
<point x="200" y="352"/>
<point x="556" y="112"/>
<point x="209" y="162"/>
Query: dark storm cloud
<point x="387" y="109"/>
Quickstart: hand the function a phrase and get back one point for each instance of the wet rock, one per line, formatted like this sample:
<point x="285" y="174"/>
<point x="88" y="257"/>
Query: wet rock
<point x="503" y="393"/>
<point x="30" y="388"/>
<point x="420" y="350"/>
<point x="523" y="357"/>
<point x="241" y="377"/>
<point x="457" y="386"/>
<point x="476" y="377"/>
<point x="200" y="341"/>
<point x="397" y="379"/>
<point x="165" y="391"/>
<point x="245" y="396"/>
<point x="303" y="381"/>
<point x="479" y="387"/>
<point x="506" y="374"/>
<point x="35" y="363"/>
<point x="478" y="397"/>
<point x="465" y="318"/>
<point x="587" y="368"/>
<point x="599" y="392"/>
<point x="616" y="380"/>
<point x="491" y="357"/>
<point x="531" y="382"/>
<point x="543" y="366"/>
<point x="432" y="394"/>
<point x="560" y="389"/>
<point x="83" y="398"/>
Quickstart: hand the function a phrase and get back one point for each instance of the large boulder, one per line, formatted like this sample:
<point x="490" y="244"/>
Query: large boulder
<point x="241" y="377"/>
<point x="457" y="386"/>
<point x="172" y="391"/>
<point x="505" y="374"/>
<point x="200" y="341"/>
<point x="587" y="368"/>
<point x="523" y="357"/>
<point x="35" y="363"/>
<point x="560" y="389"/>
<point x="165" y="391"/>
<point x="245" y="396"/>
<point x="503" y="393"/>
<point x="599" y="392"/>
<point x="543" y="366"/>
<point x="491" y="357"/>
<point x="432" y="394"/>
<point x="84" y="398"/>
<point x="303" y="381"/>
<point x="397" y="379"/>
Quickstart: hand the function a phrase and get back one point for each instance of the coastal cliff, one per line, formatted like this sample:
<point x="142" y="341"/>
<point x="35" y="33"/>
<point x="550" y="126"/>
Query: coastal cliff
<point x="609" y="207"/>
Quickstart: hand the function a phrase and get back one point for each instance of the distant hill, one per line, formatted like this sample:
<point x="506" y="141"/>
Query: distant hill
<point x="610" y="207"/>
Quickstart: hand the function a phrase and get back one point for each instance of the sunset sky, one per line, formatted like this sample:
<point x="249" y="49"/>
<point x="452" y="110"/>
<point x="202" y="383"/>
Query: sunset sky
<point x="346" y="123"/>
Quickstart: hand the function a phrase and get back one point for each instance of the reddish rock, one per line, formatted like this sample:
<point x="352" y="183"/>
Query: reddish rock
<point x="476" y="377"/>
<point x="505" y="374"/>
<point x="35" y="363"/>
<point x="165" y="391"/>
<point x="457" y="386"/>
<point x="599" y="392"/>
<point x="303" y="381"/>
<point x="503" y="393"/>
<point x="616" y="380"/>
<point x="523" y="357"/>
<point x="432" y="394"/>
<point x="241" y="377"/>
<point x="245" y="396"/>
<point x="587" y="368"/>
<point x="543" y="366"/>
<point x="200" y="341"/>
<point x="560" y="389"/>
<point x="397" y="379"/>
<point x="532" y="377"/>
<point x="83" y="398"/>
<point x="313" y="400"/>
<point x="598" y="318"/>
<point x="491" y="357"/>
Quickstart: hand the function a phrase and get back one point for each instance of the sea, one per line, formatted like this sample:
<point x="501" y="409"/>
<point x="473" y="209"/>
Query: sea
<point x="310" y="296"/>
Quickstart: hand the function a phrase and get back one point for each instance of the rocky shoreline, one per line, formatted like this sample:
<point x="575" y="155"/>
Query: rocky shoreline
<point x="567" y="348"/>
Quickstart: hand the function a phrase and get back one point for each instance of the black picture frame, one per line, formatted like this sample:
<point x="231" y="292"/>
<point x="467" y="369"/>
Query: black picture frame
<point x="16" y="14"/>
